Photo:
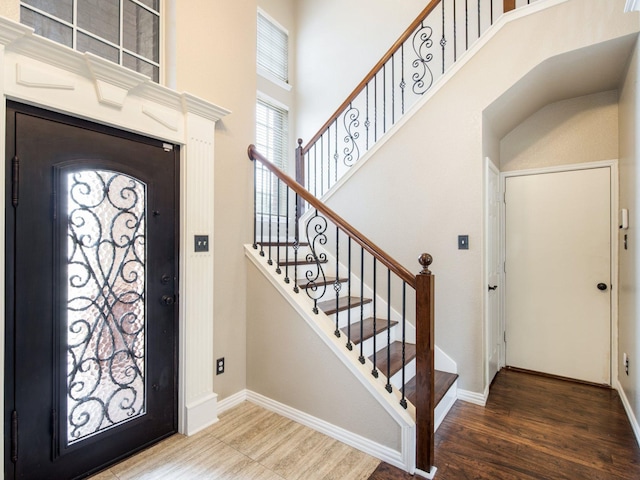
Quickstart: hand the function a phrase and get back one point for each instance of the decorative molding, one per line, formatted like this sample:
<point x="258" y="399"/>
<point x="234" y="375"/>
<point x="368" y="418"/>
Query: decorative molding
<point x="11" y="31"/>
<point x="113" y="82"/>
<point x="365" y="445"/>
<point x="202" y="108"/>
<point x="29" y="75"/>
<point x="163" y="116"/>
<point x="629" y="410"/>
<point x="201" y="414"/>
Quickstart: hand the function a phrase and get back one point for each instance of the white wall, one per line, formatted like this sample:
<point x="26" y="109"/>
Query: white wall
<point x="424" y="186"/>
<point x="338" y="44"/>
<point x="629" y="300"/>
<point x="582" y="129"/>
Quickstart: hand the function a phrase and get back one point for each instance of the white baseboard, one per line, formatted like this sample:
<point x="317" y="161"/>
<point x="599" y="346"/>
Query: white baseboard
<point x="201" y="414"/>
<point x="627" y="407"/>
<point x="232" y="401"/>
<point x="473" y="397"/>
<point x="430" y="475"/>
<point x="365" y="445"/>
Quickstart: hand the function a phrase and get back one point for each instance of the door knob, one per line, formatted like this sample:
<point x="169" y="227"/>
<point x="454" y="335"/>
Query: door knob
<point x="491" y="288"/>
<point x="602" y="286"/>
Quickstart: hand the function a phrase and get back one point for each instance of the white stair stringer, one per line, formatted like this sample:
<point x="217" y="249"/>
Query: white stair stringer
<point x="324" y="327"/>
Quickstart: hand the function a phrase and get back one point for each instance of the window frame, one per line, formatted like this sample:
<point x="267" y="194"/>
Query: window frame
<point x="122" y="51"/>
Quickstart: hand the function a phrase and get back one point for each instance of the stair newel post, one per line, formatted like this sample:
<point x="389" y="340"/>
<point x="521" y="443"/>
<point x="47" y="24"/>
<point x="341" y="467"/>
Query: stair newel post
<point x="425" y="365"/>
<point x="300" y="175"/>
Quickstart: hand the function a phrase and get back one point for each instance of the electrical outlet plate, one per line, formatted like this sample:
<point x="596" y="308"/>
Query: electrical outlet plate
<point x="463" y="242"/>
<point x="220" y="366"/>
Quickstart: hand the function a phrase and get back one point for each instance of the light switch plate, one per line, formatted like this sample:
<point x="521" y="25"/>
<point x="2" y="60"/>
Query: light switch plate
<point x="201" y="243"/>
<point x="463" y="242"/>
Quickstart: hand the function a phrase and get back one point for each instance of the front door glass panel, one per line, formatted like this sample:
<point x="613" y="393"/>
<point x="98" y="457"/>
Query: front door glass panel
<point x="105" y="294"/>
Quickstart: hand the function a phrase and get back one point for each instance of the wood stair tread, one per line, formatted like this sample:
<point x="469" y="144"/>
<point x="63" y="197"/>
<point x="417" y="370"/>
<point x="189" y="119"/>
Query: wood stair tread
<point x="282" y="243"/>
<point x="329" y="307"/>
<point x="395" y="354"/>
<point x="442" y="384"/>
<point x="303" y="261"/>
<point x="367" y="329"/>
<point x="304" y="283"/>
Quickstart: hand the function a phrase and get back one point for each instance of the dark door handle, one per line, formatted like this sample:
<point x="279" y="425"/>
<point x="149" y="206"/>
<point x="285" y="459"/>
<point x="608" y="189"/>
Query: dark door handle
<point x="495" y="287"/>
<point x="168" y="299"/>
<point x="602" y="286"/>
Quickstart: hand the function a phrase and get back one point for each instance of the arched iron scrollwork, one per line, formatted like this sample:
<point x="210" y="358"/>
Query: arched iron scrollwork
<point x="351" y="123"/>
<point x="422" y="42"/>
<point x="316" y="234"/>
<point x="105" y="291"/>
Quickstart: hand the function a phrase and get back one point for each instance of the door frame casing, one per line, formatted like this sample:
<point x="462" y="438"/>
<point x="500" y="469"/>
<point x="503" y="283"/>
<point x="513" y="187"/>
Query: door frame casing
<point x="38" y="72"/>
<point x="614" y="193"/>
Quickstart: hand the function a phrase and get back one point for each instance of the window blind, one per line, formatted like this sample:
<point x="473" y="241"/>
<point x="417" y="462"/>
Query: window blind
<point x="272" y="127"/>
<point x="273" y="49"/>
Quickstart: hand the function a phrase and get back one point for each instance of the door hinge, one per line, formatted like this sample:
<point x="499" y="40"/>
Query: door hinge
<point x="14" y="436"/>
<point x="54" y="204"/>
<point x="15" y="180"/>
<point x="504" y="336"/>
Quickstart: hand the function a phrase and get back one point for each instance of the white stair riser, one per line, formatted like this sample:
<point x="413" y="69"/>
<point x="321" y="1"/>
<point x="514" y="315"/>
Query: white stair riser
<point x="381" y="341"/>
<point x="409" y="373"/>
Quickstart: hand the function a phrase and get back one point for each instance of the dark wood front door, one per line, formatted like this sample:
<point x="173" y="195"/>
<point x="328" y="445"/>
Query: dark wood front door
<point x="91" y="282"/>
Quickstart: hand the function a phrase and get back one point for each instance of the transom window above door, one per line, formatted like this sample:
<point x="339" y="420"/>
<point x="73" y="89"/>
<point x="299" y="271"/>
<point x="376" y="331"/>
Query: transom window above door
<point x="127" y="32"/>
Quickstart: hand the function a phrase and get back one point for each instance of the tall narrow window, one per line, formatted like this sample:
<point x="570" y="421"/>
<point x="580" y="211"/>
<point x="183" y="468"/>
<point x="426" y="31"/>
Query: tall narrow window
<point x="272" y="125"/>
<point x="127" y="32"/>
<point x="273" y="49"/>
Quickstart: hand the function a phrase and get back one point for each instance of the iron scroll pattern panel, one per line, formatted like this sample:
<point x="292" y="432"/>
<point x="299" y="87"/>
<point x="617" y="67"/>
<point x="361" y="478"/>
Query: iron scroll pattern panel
<point x="105" y="288"/>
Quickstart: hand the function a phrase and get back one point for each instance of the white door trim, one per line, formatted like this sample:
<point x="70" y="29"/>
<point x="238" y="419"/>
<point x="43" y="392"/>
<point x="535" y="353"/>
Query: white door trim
<point x="613" y="165"/>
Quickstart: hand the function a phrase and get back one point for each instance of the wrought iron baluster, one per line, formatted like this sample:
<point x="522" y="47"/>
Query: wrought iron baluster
<point x="455" y="33"/>
<point x="393" y="90"/>
<point x="336" y="157"/>
<point x="270" y="216"/>
<point x="443" y="40"/>
<point x="402" y="82"/>
<point x="361" y="358"/>
<point x="337" y="286"/>
<point x="316" y="225"/>
<point x="466" y="24"/>
<point x="278" y="271"/>
<point x="375" y="108"/>
<point x="262" y="208"/>
<point x="349" y="344"/>
<point x="388" y="385"/>
<point x="374" y="372"/>
<point x="329" y="157"/>
<point x="403" y="400"/>
<point x="255" y="205"/>
<point x="478" y="18"/>
<point x="286" y="235"/>
<point x="367" y="122"/>
<point x="296" y="245"/>
<point x="384" y="98"/>
<point x="491" y="5"/>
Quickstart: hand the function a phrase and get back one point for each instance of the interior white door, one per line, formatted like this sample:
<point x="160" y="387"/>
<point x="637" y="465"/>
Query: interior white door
<point x="558" y="273"/>
<point x="494" y="330"/>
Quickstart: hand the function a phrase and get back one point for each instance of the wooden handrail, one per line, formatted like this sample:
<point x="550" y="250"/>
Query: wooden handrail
<point x="358" y="237"/>
<point x="394" y="48"/>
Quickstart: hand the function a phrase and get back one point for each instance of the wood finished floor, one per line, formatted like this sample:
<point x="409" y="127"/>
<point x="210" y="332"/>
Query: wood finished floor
<point x="532" y="428"/>
<point x="248" y="442"/>
<point x="535" y="428"/>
